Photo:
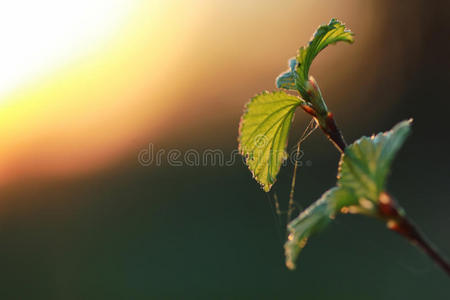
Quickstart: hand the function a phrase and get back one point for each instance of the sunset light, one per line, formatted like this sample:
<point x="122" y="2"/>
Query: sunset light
<point x="40" y="36"/>
<point x="80" y="80"/>
<point x="203" y="149"/>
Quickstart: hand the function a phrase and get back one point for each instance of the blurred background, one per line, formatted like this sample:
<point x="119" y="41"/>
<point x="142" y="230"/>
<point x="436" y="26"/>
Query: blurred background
<point x="85" y="86"/>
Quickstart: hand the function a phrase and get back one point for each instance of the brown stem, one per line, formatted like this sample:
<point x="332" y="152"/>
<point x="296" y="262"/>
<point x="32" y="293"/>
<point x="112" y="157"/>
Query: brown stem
<point x="416" y="238"/>
<point x="329" y="127"/>
<point x="397" y="221"/>
<point x="333" y="133"/>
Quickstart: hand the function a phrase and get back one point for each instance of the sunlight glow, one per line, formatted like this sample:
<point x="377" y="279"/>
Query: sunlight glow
<point x="39" y="36"/>
<point x="92" y="95"/>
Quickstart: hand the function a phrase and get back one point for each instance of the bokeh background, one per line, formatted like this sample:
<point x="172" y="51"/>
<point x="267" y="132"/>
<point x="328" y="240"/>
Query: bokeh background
<point x="86" y="85"/>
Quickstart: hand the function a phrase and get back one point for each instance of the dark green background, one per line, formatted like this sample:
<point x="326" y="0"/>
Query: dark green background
<point x="135" y="232"/>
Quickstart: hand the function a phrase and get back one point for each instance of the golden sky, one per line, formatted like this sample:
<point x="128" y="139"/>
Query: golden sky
<point x="84" y="82"/>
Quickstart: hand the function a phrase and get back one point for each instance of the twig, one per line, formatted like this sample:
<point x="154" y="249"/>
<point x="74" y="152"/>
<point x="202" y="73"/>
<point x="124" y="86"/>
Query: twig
<point x="397" y="221"/>
<point x="328" y="126"/>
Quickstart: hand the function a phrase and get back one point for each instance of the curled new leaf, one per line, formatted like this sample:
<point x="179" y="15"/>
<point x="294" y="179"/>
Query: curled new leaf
<point x="325" y="35"/>
<point x="286" y="80"/>
<point x="297" y="78"/>
<point x="263" y="134"/>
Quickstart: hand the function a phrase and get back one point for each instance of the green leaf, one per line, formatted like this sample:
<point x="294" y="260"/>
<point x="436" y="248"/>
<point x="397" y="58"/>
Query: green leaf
<point x="366" y="163"/>
<point x="286" y="80"/>
<point x="363" y="170"/>
<point x="325" y="35"/>
<point x="263" y="134"/>
<point x="313" y="219"/>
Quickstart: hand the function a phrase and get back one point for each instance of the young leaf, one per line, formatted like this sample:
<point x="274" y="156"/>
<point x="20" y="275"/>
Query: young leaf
<point x="263" y="134"/>
<point x="313" y="219"/>
<point x="361" y="181"/>
<point x="325" y="35"/>
<point x="366" y="163"/>
<point x="286" y="80"/>
<point x="297" y="78"/>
